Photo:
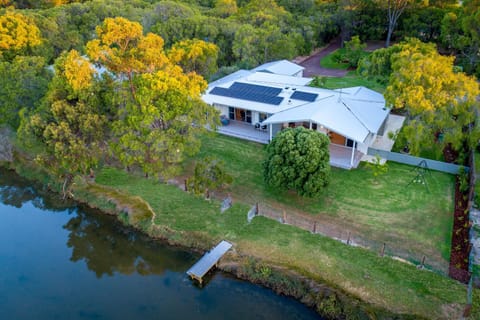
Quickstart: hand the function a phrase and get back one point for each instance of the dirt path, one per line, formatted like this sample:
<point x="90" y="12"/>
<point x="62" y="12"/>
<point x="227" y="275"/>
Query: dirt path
<point x="312" y="63"/>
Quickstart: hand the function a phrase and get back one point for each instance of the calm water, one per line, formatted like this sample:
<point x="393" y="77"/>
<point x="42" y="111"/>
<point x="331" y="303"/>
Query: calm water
<point x="58" y="261"/>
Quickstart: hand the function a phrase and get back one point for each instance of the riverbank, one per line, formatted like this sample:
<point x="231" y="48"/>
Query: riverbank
<point x="372" y="287"/>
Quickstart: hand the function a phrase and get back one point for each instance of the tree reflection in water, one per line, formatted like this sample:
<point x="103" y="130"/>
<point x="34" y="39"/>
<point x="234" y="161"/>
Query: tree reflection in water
<point x="107" y="248"/>
<point x="16" y="191"/>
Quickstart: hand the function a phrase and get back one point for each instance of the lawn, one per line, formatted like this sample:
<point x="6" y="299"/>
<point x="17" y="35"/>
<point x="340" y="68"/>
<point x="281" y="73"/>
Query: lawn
<point x="362" y="273"/>
<point x="330" y="61"/>
<point x="353" y="80"/>
<point x="412" y="221"/>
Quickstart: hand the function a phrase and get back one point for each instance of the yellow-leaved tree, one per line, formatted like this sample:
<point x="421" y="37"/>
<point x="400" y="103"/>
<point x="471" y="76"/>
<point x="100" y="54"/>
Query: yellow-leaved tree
<point x="69" y="123"/>
<point x="439" y="100"/>
<point x="195" y="55"/>
<point x="161" y="113"/>
<point x="18" y="34"/>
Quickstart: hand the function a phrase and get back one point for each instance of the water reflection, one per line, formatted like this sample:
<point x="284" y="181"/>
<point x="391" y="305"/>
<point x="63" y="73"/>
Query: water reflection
<point x="16" y="191"/>
<point x="58" y="261"/>
<point x="96" y="240"/>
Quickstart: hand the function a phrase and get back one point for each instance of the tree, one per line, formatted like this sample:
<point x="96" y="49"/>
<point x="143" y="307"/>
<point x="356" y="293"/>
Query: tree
<point x="461" y="35"/>
<point x="378" y="168"/>
<point x="195" y="55"/>
<point x="437" y="100"/>
<point x="253" y="46"/>
<point x="18" y="34"/>
<point x="123" y="49"/>
<point x="209" y="175"/>
<point x="161" y="114"/>
<point x="225" y="8"/>
<point x="23" y="83"/>
<point x="161" y="123"/>
<point x="394" y="8"/>
<point x="298" y="159"/>
<point x="68" y="124"/>
<point x="354" y="51"/>
<point x="378" y="64"/>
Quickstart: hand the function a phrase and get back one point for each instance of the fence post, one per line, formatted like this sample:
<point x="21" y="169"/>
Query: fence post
<point x="315" y="227"/>
<point x="284" y="217"/>
<point x="185" y="184"/>
<point x="256" y="208"/>
<point x="382" y="253"/>
<point x="348" y="238"/>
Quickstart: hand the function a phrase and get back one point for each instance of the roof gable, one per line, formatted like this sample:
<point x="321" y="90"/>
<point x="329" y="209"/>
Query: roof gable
<point x="283" y="67"/>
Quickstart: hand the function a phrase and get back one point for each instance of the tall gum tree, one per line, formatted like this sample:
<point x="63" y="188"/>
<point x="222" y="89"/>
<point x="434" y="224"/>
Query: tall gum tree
<point x="161" y="114"/>
<point x="68" y="124"/>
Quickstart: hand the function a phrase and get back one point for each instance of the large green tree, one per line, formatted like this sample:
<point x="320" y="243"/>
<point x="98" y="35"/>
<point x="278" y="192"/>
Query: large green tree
<point x="68" y="124"/>
<point x="23" y="83"/>
<point x="298" y="159"/>
<point x="160" y="113"/>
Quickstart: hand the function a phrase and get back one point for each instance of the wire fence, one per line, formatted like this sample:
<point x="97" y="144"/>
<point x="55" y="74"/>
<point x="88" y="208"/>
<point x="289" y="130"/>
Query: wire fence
<point x="346" y="236"/>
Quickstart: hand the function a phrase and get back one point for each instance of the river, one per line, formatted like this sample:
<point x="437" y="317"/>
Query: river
<point x="61" y="261"/>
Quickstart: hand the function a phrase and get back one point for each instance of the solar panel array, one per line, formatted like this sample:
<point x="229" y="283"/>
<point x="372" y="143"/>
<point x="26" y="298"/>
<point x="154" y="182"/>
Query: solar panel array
<point x="304" y="96"/>
<point x="250" y="92"/>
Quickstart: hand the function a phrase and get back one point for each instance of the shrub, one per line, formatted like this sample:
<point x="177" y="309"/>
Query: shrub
<point x="298" y="159"/>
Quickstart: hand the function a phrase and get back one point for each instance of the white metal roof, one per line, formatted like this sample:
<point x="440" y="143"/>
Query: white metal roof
<point x="229" y="78"/>
<point x="352" y="112"/>
<point x="270" y="78"/>
<point x="284" y="67"/>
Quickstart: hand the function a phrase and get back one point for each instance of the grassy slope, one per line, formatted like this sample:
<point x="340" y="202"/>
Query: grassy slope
<point x="410" y="219"/>
<point x="396" y="286"/>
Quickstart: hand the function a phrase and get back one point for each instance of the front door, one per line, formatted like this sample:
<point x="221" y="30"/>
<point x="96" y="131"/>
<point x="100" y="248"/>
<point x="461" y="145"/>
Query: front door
<point x="336" y="138"/>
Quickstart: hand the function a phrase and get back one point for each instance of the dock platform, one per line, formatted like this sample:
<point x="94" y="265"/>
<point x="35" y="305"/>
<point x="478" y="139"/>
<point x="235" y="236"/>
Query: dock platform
<point x="209" y="260"/>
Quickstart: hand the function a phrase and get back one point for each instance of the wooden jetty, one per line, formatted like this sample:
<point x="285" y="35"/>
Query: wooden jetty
<point x="209" y="260"/>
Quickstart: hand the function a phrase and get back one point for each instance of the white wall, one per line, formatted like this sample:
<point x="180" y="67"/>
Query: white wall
<point x="363" y="147"/>
<point x="222" y="108"/>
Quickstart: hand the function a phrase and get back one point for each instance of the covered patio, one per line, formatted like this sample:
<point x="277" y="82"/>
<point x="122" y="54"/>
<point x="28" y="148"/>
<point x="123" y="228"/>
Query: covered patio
<point x="246" y="131"/>
<point x="340" y="156"/>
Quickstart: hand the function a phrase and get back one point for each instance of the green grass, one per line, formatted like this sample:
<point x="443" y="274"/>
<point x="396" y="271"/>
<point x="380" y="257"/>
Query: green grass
<point x="352" y="80"/>
<point x="412" y="221"/>
<point x="384" y="282"/>
<point x="330" y="62"/>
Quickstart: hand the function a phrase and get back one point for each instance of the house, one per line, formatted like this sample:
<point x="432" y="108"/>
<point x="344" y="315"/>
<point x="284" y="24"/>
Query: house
<point x="259" y="103"/>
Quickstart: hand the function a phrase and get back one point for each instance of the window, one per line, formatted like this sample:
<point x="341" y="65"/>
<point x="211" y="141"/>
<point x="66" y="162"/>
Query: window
<point x="262" y="116"/>
<point x="314" y="126"/>
<point x="231" y="113"/>
<point x="248" y="117"/>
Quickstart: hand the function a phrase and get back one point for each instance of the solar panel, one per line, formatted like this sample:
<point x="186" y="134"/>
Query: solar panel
<point x="255" y="89"/>
<point x="250" y="92"/>
<point x="304" y="96"/>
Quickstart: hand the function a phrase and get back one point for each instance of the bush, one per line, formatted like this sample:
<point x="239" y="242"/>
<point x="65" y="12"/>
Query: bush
<point x="298" y="159"/>
<point x="209" y="174"/>
<point x="354" y="51"/>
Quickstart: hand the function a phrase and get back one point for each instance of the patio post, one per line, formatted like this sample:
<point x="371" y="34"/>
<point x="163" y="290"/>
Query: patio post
<point x="310" y="124"/>
<point x="271" y="131"/>
<point x="353" y="153"/>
